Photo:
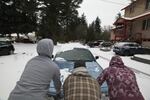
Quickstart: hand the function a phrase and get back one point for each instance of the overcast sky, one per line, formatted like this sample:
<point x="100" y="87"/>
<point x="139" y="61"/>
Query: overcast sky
<point x="106" y="10"/>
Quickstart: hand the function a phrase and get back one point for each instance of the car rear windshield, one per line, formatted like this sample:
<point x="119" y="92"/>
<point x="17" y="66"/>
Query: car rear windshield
<point x="3" y="43"/>
<point x="76" y="54"/>
<point x="132" y="45"/>
<point x="106" y="44"/>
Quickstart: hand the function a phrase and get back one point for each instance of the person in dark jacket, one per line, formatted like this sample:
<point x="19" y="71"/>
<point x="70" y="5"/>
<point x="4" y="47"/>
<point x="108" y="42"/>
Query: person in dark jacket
<point x="80" y="85"/>
<point x="121" y="81"/>
<point x="37" y="75"/>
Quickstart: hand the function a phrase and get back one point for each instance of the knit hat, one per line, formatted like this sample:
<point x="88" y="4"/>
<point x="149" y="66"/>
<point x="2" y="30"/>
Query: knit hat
<point x="79" y="63"/>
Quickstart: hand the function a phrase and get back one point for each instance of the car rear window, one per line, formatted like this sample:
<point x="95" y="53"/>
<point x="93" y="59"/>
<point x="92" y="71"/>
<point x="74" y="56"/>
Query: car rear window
<point x="132" y="45"/>
<point x="76" y="54"/>
<point x="3" y="43"/>
<point x="106" y="44"/>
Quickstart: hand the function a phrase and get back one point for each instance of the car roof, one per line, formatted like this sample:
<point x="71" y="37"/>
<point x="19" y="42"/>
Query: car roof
<point x="122" y="43"/>
<point x="4" y="39"/>
<point x="106" y="42"/>
<point x="127" y="42"/>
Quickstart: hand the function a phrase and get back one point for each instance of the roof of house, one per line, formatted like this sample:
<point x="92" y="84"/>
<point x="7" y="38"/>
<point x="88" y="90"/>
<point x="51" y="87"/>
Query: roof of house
<point x="129" y="5"/>
<point x="119" y="20"/>
<point x="123" y="19"/>
<point x="138" y="16"/>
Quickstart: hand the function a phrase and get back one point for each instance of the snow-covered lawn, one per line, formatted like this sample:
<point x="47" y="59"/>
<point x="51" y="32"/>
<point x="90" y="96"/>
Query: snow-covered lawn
<point x="11" y="66"/>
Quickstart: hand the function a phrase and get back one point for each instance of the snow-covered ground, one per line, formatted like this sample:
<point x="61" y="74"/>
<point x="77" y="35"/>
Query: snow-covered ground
<point x="11" y="66"/>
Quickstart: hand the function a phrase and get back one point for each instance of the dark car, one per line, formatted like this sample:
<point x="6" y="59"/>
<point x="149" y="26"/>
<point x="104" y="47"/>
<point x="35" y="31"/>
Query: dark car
<point x="5" y="39"/>
<point x="94" y="43"/>
<point x="66" y="60"/>
<point x="25" y="40"/>
<point x="6" y="48"/>
<point x="129" y="48"/>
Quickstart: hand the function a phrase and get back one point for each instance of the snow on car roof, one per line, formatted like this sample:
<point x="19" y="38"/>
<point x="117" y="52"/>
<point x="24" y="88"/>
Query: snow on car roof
<point x="122" y="43"/>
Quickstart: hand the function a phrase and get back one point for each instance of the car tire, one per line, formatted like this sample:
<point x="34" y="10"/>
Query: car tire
<point x="11" y="52"/>
<point x="55" y="98"/>
<point x="126" y="53"/>
<point x="116" y="53"/>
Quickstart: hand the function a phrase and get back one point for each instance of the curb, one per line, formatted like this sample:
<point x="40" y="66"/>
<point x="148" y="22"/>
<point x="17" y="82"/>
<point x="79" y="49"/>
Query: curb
<point x="140" y="59"/>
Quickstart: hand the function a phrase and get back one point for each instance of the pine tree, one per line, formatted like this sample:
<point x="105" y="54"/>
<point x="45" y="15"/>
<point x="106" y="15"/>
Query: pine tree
<point x="97" y="28"/>
<point x="16" y="16"/>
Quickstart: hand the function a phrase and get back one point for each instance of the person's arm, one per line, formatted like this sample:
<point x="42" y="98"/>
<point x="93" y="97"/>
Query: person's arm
<point x="65" y="85"/>
<point x="57" y="82"/>
<point x="102" y="77"/>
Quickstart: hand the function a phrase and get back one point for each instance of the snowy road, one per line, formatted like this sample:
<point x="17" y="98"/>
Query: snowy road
<point x="11" y="66"/>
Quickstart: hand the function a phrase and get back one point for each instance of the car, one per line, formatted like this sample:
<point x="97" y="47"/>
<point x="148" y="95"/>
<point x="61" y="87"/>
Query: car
<point x="6" y="48"/>
<point x="129" y="48"/>
<point x="25" y="40"/>
<point x="66" y="59"/>
<point x="105" y="46"/>
<point x="94" y="43"/>
<point x="9" y="40"/>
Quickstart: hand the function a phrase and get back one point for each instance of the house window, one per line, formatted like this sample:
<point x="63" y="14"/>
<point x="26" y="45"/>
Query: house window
<point x="148" y="4"/>
<point x="146" y="24"/>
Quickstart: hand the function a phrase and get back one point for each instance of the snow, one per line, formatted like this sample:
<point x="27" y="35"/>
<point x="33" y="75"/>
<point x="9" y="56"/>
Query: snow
<point x="12" y="66"/>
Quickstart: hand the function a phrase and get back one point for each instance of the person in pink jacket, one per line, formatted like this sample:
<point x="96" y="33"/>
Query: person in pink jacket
<point x="121" y="81"/>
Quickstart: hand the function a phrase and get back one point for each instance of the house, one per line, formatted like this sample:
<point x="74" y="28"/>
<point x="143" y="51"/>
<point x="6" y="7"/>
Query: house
<point x="135" y="25"/>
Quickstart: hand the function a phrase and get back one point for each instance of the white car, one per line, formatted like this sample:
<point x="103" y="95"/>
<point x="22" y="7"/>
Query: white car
<point x="105" y="46"/>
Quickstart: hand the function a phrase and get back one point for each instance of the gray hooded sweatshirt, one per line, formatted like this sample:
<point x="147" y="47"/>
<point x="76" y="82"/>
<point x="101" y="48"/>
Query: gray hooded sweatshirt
<point x="37" y="75"/>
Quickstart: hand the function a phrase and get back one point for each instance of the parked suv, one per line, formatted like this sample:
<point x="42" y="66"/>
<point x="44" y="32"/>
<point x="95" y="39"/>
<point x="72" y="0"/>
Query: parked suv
<point x="128" y="48"/>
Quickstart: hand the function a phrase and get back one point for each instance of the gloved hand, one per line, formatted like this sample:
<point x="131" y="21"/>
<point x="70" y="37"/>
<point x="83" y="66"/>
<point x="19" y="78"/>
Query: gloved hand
<point x="59" y="95"/>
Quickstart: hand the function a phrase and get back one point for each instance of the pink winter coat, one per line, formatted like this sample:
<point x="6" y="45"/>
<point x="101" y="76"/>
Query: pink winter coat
<point x="121" y="81"/>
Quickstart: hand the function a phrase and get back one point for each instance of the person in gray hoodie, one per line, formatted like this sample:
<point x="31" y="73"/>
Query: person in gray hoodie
<point x="37" y="75"/>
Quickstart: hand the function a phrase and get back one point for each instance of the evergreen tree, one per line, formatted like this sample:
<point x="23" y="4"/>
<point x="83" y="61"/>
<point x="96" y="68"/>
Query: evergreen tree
<point x="8" y="16"/>
<point x="97" y="25"/>
<point x="97" y="28"/>
<point x="106" y="33"/>
<point x="50" y="18"/>
<point x="94" y="31"/>
<point x="16" y="16"/>
<point x="91" y="32"/>
<point x="57" y="17"/>
<point x="82" y="28"/>
<point x="79" y="28"/>
<point x="70" y="15"/>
